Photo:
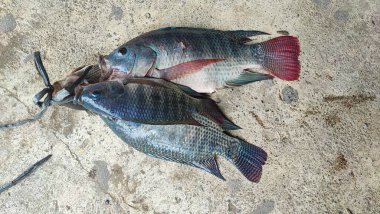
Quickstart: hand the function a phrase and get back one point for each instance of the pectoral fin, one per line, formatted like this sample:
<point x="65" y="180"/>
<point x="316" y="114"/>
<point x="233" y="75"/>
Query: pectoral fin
<point x="184" y="69"/>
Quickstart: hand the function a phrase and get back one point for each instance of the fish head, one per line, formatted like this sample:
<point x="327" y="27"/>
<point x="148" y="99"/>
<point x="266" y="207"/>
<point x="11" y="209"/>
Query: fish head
<point x="120" y="60"/>
<point x="101" y="91"/>
<point x="128" y="61"/>
<point x="101" y="97"/>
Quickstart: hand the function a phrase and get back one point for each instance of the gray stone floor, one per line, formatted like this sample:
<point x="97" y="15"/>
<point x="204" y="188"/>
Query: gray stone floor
<point x="321" y="132"/>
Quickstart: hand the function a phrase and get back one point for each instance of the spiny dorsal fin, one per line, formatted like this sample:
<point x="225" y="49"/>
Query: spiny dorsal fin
<point x="242" y="36"/>
<point x="165" y="84"/>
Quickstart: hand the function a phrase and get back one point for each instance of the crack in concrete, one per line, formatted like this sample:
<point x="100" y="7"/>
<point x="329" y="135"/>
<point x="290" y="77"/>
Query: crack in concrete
<point x="75" y="157"/>
<point x="13" y="95"/>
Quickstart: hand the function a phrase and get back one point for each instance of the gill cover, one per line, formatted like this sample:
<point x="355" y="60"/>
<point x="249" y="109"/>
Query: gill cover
<point x="132" y="60"/>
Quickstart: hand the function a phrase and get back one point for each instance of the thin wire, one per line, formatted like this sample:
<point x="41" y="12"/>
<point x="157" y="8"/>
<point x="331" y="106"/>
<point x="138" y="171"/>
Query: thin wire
<point x="49" y="99"/>
<point x="43" y="107"/>
<point x="24" y="174"/>
<point x="27" y="120"/>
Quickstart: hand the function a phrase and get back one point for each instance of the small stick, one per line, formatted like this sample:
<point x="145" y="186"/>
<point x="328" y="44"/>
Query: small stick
<point x="25" y="174"/>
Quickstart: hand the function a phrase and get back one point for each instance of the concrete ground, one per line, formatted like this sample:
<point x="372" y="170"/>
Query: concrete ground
<point x="321" y="132"/>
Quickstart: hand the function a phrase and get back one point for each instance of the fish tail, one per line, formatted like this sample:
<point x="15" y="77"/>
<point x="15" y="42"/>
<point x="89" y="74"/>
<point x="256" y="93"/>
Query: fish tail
<point x="281" y="57"/>
<point x="248" y="158"/>
<point x="213" y="112"/>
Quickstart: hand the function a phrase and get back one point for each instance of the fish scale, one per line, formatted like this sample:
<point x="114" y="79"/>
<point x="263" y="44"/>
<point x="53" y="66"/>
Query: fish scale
<point x="202" y="45"/>
<point x="192" y="145"/>
<point x="151" y="101"/>
<point x="205" y="59"/>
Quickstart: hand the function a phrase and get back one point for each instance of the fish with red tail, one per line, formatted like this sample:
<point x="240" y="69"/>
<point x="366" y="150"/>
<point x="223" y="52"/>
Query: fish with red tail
<point x="204" y="59"/>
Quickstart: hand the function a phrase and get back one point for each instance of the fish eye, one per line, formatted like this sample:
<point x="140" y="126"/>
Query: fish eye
<point x="122" y="50"/>
<point x="116" y="90"/>
<point x="95" y="94"/>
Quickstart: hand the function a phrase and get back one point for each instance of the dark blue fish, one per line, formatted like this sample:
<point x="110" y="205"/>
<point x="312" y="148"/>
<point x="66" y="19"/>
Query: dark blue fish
<point x="196" y="146"/>
<point x="151" y="101"/>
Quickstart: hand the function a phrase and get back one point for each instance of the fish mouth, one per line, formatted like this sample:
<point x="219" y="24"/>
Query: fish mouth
<point x="77" y="98"/>
<point x="105" y="69"/>
<point x="108" y="72"/>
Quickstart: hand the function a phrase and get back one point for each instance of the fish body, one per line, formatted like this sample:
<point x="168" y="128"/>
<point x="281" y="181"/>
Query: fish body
<point x="196" y="146"/>
<point x="151" y="101"/>
<point x="205" y="59"/>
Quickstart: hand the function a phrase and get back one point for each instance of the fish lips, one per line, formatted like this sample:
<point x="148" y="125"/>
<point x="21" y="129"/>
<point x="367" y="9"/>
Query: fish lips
<point x="106" y="69"/>
<point x="109" y="72"/>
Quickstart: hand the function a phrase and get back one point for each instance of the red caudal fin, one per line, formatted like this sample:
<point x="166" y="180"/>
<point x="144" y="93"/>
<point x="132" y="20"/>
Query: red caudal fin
<point x="183" y="69"/>
<point x="281" y="57"/>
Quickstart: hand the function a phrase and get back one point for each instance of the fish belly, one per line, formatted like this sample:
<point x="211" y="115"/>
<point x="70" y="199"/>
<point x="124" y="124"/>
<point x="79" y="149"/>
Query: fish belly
<point x="215" y="76"/>
<point x="178" y="143"/>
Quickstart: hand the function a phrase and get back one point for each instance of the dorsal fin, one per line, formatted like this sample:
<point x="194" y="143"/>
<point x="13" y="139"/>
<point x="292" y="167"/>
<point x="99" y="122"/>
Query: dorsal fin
<point x="205" y="121"/>
<point x="242" y="36"/>
<point x="165" y="84"/>
<point x="189" y="91"/>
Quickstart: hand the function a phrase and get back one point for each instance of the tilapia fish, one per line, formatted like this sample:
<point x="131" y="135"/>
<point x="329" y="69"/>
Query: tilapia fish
<point x="204" y="59"/>
<point x="196" y="146"/>
<point x="150" y="101"/>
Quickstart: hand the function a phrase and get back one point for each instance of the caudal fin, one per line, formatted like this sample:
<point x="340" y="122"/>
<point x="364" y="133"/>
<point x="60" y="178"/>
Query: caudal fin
<point x="213" y="112"/>
<point x="249" y="159"/>
<point x="281" y="57"/>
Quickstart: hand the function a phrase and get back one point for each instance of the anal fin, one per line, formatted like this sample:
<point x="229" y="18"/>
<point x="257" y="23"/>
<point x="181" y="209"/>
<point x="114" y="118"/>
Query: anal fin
<point x="248" y="77"/>
<point x="209" y="165"/>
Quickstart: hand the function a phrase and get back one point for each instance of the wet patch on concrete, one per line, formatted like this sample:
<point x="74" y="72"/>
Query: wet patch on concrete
<point x="7" y="23"/>
<point x="322" y="3"/>
<point x="117" y="176"/>
<point x="102" y="174"/>
<point x="232" y="208"/>
<point x="289" y="95"/>
<point x="8" y="50"/>
<point x="117" y="13"/>
<point x="341" y="15"/>
<point x="264" y="208"/>
<point x="63" y="121"/>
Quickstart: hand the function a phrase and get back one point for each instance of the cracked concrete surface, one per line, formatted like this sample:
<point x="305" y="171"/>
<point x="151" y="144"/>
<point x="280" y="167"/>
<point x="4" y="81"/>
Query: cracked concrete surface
<point x="321" y="132"/>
